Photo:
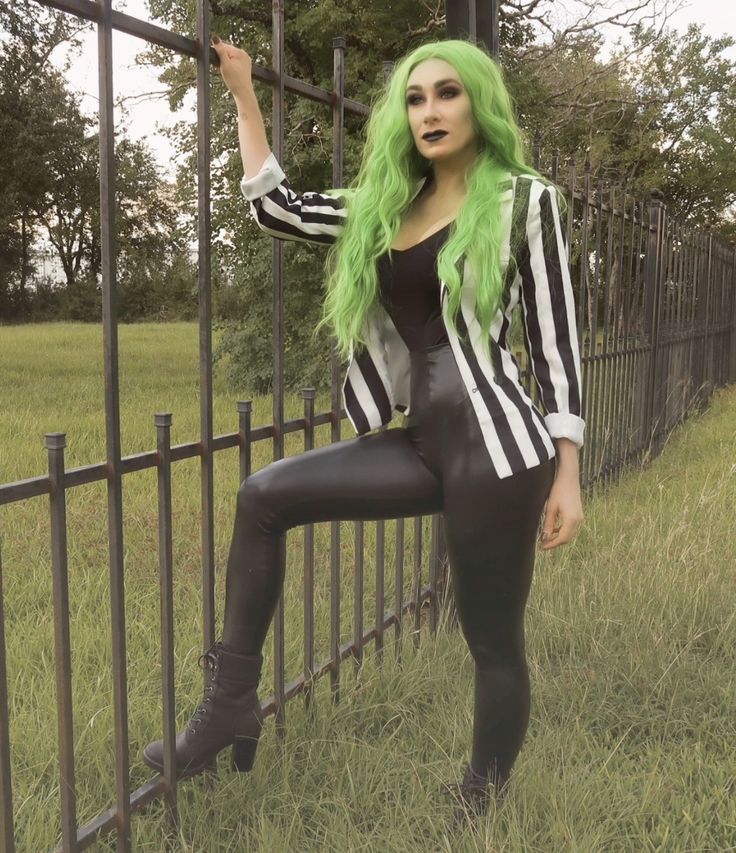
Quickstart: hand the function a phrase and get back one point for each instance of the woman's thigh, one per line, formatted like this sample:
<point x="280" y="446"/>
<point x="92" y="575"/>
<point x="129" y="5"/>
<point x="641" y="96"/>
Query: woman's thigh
<point x="376" y="476"/>
<point x="491" y="527"/>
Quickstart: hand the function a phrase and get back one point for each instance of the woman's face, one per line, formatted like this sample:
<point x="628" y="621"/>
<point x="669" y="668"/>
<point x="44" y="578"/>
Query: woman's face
<point x="437" y="100"/>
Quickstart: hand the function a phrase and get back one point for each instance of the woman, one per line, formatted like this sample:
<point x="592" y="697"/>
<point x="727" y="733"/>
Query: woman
<point x="444" y="231"/>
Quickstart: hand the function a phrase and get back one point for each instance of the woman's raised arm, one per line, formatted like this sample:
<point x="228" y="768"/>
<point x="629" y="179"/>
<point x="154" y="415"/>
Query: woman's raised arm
<point x="280" y="211"/>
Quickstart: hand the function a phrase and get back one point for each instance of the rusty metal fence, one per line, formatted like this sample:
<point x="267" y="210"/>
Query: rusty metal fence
<point x="656" y="307"/>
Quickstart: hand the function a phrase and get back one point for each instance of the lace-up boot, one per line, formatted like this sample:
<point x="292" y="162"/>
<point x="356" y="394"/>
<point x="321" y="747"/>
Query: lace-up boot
<point x="229" y="713"/>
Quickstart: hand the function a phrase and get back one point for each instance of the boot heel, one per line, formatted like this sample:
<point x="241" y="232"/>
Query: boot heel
<point x="244" y="754"/>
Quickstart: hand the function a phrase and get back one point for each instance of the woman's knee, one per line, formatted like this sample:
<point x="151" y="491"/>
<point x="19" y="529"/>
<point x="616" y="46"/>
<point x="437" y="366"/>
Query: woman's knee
<point x="501" y="647"/>
<point x="258" y="492"/>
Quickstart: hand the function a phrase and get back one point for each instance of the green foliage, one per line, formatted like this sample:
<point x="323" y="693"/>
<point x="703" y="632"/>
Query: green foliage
<point x="245" y="348"/>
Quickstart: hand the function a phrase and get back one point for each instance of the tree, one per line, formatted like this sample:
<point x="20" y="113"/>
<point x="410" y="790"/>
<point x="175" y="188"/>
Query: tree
<point x="29" y="96"/>
<point x="50" y="186"/>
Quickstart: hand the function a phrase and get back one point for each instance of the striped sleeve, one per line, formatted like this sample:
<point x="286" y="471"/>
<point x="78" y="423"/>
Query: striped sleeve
<point x="549" y="316"/>
<point x="309" y="217"/>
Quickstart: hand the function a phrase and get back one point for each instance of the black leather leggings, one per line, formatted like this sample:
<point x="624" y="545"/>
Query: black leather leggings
<point x="437" y="462"/>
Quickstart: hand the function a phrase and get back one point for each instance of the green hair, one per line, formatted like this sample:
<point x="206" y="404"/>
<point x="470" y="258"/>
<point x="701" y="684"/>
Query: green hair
<point x="390" y="168"/>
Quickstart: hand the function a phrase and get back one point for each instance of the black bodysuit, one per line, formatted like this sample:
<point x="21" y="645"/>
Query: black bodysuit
<point x="410" y="291"/>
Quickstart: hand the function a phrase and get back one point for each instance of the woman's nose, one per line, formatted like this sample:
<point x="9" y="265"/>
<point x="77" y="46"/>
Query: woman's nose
<point x="430" y="114"/>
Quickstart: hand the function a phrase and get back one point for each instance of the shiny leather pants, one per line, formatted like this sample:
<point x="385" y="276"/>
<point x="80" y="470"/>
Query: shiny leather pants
<point x="437" y="462"/>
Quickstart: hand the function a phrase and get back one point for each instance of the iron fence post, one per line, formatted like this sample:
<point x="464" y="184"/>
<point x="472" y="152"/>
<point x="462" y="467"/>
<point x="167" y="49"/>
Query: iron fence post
<point x="55" y="443"/>
<point x="7" y="831"/>
<point x="652" y="282"/>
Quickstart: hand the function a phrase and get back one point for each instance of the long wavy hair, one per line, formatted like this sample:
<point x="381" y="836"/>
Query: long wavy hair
<point x="389" y="171"/>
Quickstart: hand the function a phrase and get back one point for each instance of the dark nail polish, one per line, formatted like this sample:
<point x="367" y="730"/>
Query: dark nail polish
<point x="216" y="39"/>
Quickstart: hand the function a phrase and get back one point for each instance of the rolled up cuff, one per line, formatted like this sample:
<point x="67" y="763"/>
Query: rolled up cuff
<point x="565" y="425"/>
<point x="269" y="177"/>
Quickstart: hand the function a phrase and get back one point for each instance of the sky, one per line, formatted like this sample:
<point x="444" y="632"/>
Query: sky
<point x="147" y="116"/>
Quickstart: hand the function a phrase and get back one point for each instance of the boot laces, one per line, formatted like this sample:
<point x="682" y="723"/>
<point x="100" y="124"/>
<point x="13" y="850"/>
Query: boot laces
<point x="208" y="661"/>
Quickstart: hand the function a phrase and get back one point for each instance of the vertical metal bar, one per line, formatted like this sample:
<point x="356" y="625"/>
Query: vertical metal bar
<point x="338" y="136"/>
<point x="380" y="578"/>
<point x="555" y="166"/>
<point x="664" y="384"/>
<point x="55" y="443"/>
<point x="720" y="313"/>
<point x="619" y="343"/>
<point x="204" y="230"/>
<point x="680" y="279"/>
<point x="630" y="328"/>
<point x="387" y="69"/>
<point x="335" y="587"/>
<point x="277" y="23"/>
<point x="162" y="422"/>
<point x="399" y="586"/>
<point x="732" y="296"/>
<point x="445" y="599"/>
<point x="638" y="412"/>
<point x="245" y="408"/>
<point x="676" y="314"/>
<point x="7" y="831"/>
<point x="537" y="151"/>
<point x="686" y="316"/>
<point x="495" y="46"/>
<point x="112" y="424"/>
<point x="434" y="560"/>
<point x="474" y="20"/>
<point x="731" y="376"/>
<point x="708" y="384"/>
<point x="732" y="313"/>
<point x="358" y="592"/>
<point x="571" y="181"/>
<point x="608" y="362"/>
<point x="631" y="325"/>
<point x="417" y="578"/>
<point x="308" y="395"/>
<point x="585" y="353"/>
<point x="595" y="363"/>
<point x="698" y="303"/>
<point x="655" y="210"/>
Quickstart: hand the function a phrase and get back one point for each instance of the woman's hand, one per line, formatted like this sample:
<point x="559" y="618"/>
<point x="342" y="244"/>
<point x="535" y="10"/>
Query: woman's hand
<point x="564" y="512"/>
<point x="235" y="68"/>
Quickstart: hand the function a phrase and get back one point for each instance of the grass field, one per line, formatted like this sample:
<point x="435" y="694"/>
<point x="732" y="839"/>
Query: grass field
<point x="630" y="634"/>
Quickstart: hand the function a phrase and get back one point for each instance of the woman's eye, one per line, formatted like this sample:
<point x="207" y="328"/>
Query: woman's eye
<point x="412" y="98"/>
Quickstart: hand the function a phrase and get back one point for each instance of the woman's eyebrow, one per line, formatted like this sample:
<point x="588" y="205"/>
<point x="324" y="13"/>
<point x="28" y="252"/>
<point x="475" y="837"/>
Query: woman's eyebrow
<point x="436" y="85"/>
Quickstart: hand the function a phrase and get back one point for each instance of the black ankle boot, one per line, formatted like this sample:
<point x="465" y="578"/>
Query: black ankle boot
<point x="475" y="792"/>
<point x="229" y="713"/>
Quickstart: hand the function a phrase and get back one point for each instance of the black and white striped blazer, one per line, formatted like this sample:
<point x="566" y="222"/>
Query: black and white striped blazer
<point x="517" y="435"/>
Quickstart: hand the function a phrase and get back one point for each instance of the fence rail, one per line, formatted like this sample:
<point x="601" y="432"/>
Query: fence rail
<point x="656" y="304"/>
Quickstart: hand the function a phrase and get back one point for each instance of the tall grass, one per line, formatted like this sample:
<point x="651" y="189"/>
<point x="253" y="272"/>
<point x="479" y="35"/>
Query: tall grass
<point x="630" y="637"/>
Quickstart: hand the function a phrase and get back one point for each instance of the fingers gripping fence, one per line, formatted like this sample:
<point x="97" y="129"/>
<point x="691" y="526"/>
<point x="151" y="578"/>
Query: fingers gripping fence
<point x="656" y="314"/>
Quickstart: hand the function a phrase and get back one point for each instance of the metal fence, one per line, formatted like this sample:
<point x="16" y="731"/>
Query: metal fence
<point x="657" y="331"/>
<point x="656" y="302"/>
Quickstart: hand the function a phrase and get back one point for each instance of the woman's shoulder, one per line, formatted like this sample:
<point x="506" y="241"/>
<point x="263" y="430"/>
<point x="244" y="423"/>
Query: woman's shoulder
<point x="529" y="180"/>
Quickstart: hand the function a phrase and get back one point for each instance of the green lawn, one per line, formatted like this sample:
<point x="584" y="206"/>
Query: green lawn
<point x="630" y="637"/>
